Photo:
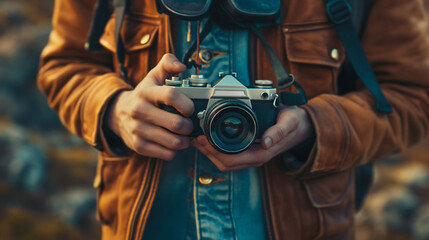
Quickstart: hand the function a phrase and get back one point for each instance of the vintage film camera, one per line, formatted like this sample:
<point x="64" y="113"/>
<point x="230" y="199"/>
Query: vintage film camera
<point x="231" y="115"/>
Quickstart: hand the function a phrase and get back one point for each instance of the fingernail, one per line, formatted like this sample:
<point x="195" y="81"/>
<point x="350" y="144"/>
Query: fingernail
<point x="268" y="142"/>
<point x="177" y="64"/>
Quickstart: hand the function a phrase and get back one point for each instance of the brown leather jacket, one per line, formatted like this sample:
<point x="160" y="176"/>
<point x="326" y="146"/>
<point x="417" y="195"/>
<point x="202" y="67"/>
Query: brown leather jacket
<point x="315" y="202"/>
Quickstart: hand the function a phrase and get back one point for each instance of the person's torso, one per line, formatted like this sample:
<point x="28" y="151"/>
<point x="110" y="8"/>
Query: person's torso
<point x="305" y="41"/>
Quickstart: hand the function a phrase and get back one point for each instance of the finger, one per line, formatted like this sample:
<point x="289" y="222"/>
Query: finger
<point x="286" y="122"/>
<point x="171" y="121"/>
<point x="246" y="156"/>
<point x="172" y="97"/>
<point x="203" y="142"/>
<point x="255" y="156"/>
<point x="220" y="164"/>
<point x="150" y="149"/>
<point x="167" y="66"/>
<point x="164" y="138"/>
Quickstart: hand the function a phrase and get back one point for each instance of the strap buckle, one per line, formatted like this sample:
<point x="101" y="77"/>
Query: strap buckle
<point x="288" y="84"/>
<point x="339" y="11"/>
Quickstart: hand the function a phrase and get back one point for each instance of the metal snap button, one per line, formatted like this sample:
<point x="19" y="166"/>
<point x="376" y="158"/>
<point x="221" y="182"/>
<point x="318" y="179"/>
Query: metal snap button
<point x="335" y="54"/>
<point x="145" y="39"/>
<point x="206" y="55"/>
<point x="205" y="179"/>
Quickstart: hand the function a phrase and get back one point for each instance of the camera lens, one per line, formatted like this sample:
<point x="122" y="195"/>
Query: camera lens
<point x="230" y="126"/>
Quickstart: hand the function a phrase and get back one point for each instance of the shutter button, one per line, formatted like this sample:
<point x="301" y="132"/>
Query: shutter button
<point x="205" y="179"/>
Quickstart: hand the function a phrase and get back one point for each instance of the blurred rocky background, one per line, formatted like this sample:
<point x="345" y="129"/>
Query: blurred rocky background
<point x="46" y="173"/>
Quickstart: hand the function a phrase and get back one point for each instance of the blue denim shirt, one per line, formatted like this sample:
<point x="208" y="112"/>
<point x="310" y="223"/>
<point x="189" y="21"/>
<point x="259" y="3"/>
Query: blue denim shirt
<point x="187" y="205"/>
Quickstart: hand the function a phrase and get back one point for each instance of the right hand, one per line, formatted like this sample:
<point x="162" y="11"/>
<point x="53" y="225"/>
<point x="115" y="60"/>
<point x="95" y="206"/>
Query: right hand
<point x="135" y="115"/>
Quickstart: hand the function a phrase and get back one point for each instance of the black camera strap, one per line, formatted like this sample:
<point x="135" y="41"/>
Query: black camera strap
<point x="284" y="79"/>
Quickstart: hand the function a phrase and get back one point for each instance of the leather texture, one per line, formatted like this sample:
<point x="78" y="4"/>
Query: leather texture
<point x="314" y="202"/>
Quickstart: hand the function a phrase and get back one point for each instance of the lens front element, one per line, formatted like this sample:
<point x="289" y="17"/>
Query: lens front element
<point x="230" y="126"/>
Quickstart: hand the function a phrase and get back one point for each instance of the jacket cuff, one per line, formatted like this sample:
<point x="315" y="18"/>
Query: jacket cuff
<point x="95" y="106"/>
<point x="332" y="134"/>
<point x="298" y="160"/>
<point x="111" y="143"/>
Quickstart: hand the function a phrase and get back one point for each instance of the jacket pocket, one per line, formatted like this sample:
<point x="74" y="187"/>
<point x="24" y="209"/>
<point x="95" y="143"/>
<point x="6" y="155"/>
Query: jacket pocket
<point x="110" y="172"/>
<point x="139" y="34"/>
<point x="315" y="53"/>
<point x="333" y="198"/>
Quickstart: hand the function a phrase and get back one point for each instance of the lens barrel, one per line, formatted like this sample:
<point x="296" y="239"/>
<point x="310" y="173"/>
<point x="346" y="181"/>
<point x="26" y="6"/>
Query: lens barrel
<point x="230" y="126"/>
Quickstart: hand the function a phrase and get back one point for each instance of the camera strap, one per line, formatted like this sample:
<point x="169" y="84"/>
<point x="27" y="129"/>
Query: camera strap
<point x="284" y="79"/>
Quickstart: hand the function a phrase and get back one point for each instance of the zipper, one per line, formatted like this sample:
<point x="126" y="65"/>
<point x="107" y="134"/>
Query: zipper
<point x="267" y="213"/>
<point x="143" y="196"/>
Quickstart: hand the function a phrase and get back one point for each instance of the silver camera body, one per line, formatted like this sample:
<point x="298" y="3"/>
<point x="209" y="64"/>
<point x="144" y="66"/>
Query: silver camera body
<point x="231" y="115"/>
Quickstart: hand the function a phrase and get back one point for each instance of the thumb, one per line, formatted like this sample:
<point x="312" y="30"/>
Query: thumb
<point x="287" y="121"/>
<point x="166" y="67"/>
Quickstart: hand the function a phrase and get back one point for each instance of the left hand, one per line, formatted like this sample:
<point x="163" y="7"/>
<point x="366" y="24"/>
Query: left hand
<point x="293" y="127"/>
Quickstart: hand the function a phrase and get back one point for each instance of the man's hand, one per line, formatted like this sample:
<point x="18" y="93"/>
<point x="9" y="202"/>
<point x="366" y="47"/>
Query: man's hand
<point x="135" y="115"/>
<point x="293" y="126"/>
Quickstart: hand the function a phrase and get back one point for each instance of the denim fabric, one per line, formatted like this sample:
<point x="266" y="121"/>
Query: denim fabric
<point x="229" y="209"/>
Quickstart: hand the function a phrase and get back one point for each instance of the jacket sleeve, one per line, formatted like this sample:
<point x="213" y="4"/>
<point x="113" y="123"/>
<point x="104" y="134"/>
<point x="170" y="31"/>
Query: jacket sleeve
<point x="350" y="131"/>
<point x="78" y="84"/>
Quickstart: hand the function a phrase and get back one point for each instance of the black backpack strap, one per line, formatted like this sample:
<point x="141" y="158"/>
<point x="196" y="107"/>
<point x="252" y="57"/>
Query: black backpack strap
<point x="360" y="12"/>
<point x="120" y="9"/>
<point x="346" y="83"/>
<point x="340" y="12"/>
<point x="347" y="76"/>
<point x="101" y="15"/>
